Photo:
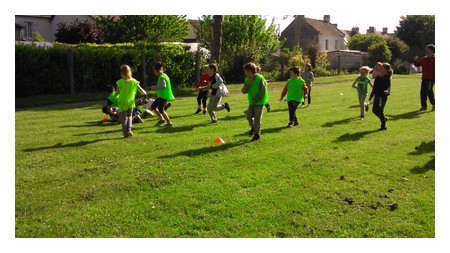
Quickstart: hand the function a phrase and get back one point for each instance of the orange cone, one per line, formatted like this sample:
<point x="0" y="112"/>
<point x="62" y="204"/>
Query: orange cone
<point x="105" y="119"/>
<point x="219" y="140"/>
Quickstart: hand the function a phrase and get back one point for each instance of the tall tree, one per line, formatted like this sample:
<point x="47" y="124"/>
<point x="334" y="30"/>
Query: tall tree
<point x="217" y="38"/>
<point x="416" y="31"/>
<point x="245" y="38"/>
<point x="150" y="28"/>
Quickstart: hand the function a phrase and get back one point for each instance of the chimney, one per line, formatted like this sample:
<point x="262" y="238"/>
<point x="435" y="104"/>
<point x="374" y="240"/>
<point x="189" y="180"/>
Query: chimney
<point x="385" y="30"/>
<point x="355" y="30"/>
<point x="371" y="29"/>
<point x="326" y="18"/>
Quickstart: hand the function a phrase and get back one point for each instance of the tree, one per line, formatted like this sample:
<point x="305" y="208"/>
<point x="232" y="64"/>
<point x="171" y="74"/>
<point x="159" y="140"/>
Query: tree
<point x="148" y="28"/>
<point x="78" y="32"/>
<point x="362" y="42"/>
<point x="379" y="52"/>
<point x="416" y="31"/>
<point x="217" y="38"/>
<point x="245" y="38"/>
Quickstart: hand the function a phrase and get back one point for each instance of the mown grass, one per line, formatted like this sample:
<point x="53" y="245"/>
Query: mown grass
<point x="332" y="176"/>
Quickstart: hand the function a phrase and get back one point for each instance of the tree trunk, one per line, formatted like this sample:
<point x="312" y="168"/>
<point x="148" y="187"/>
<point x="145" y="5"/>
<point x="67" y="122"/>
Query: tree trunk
<point x="217" y="39"/>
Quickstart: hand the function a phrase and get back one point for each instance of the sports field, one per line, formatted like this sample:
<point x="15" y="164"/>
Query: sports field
<point x="334" y="175"/>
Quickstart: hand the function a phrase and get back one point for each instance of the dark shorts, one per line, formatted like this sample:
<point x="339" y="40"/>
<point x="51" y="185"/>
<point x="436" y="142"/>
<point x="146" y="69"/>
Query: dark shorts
<point x="159" y="103"/>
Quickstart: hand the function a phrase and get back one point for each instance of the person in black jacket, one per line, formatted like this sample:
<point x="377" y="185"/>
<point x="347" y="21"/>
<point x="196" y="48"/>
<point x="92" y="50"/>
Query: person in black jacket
<point x="381" y="90"/>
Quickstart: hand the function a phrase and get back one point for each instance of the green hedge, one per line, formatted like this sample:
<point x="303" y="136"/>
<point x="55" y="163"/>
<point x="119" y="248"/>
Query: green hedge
<point x="45" y="70"/>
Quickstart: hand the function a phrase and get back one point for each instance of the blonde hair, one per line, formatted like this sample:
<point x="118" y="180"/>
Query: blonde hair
<point x="125" y="71"/>
<point x="365" y="68"/>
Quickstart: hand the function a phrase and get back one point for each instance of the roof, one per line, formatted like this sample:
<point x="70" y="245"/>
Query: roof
<point x="324" y="27"/>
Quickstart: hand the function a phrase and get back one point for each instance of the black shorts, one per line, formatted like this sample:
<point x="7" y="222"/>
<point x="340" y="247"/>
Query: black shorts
<point x="159" y="103"/>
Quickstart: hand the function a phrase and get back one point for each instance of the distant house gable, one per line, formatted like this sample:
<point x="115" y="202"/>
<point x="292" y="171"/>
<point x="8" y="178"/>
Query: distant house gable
<point x="306" y="31"/>
<point x="194" y="26"/>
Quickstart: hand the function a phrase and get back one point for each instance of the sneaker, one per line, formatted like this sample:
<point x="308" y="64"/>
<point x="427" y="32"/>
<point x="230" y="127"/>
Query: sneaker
<point x="303" y="106"/>
<point x="268" y="107"/>
<point x="213" y="121"/>
<point x="250" y="133"/>
<point x="362" y="118"/>
<point x="227" y="106"/>
<point x="422" y="109"/>
<point x="198" y="110"/>
<point x="296" y="123"/>
<point x="366" y="106"/>
<point x="383" y="128"/>
<point x="168" y="124"/>
<point x="308" y="106"/>
<point x="128" y="134"/>
<point x="160" y="122"/>
<point x="256" y="137"/>
<point x="290" y="125"/>
<point x="204" y="111"/>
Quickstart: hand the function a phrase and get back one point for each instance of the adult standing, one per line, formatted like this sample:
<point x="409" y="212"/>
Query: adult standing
<point x="427" y="63"/>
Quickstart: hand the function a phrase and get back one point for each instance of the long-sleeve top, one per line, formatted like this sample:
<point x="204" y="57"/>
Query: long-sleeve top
<point x="203" y="82"/>
<point x="381" y="84"/>
<point x="428" y="67"/>
<point x="308" y="76"/>
<point x="215" y="82"/>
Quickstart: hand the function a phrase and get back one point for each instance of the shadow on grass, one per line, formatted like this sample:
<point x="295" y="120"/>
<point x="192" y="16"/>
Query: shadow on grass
<point x="424" y="147"/>
<point x="69" y="145"/>
<point x="177" y="129"/>
<point x="339" y="122"/>
<point x="406" y="115"/>
<point x="206" y="150"/>
<point x="422" y="169"/>
<point x="103" y="132"/>
<point x="263" y="131"/>
<point x="91" y="124"/>
<point x="354" y="136"/>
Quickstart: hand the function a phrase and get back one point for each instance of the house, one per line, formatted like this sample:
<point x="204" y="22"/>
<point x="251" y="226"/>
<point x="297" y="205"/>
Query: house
<point x="194" y="26"/>
<point x="306" y="31"/>
<point x="46" y="25"/>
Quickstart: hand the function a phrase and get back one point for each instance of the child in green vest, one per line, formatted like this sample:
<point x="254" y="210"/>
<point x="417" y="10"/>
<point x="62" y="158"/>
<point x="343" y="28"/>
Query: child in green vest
<point x="256" y="89"/>
<point x="127" y="88"/>
<point x="112" y="104"/>
<point x="296" y="91"/>
<point x="164" y="94"/>
<point x="258" y="71"/>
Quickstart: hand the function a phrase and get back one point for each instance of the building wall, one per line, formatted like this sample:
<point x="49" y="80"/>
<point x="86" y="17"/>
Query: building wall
<point x="299" y="33"/>
<point x="348" y="60"/>
<point x="38" y="24"/>
<point x="334" y="43"/>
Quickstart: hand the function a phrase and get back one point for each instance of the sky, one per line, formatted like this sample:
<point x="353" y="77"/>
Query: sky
<point x="347" y="14"/>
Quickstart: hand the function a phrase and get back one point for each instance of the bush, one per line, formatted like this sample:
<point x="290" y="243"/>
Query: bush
<point x="44" y="70"/>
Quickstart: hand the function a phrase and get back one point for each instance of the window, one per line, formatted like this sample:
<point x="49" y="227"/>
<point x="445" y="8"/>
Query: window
<point x="326" y="44"/>
<point x="28" y="33"/>
<point x="336" y="44"/>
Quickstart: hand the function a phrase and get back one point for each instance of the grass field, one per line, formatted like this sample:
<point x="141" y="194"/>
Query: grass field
<point x="332" y="176"/>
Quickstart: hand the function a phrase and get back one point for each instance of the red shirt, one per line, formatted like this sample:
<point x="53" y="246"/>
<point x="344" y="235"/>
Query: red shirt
<point x="204" y="81"/>
<point x="427" y="64"/>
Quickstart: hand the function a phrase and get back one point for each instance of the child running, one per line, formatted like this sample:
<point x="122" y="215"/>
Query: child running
<point x="381" y="90"/>
<point x="296" y="91"/>
<point x="127" y="88"/>
<point x="218" y="90"/>
<point x="256" y="89"/>
<point x="203" y="88"/>
<point x="164" y="94"/>
<point x="363" y="81"/>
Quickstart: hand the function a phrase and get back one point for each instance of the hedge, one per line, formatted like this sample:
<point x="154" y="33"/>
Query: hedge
<point x="45" y="70"/>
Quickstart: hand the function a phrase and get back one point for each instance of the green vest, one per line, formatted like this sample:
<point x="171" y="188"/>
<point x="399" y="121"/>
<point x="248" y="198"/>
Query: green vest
<point x="295" y="90"/>
<point x="254" y="91"/>
<point x="114" y="100"/>
<point x="127" y="91"/>
<point x="165" y="93"/>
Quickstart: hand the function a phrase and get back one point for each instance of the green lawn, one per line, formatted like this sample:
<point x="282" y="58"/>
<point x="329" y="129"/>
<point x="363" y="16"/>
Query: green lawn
<point x="332" y="176"/>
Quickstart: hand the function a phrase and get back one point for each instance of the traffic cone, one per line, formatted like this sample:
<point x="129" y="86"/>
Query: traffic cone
<point x="105" y="119"/>
<point x="219" y="140"/>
